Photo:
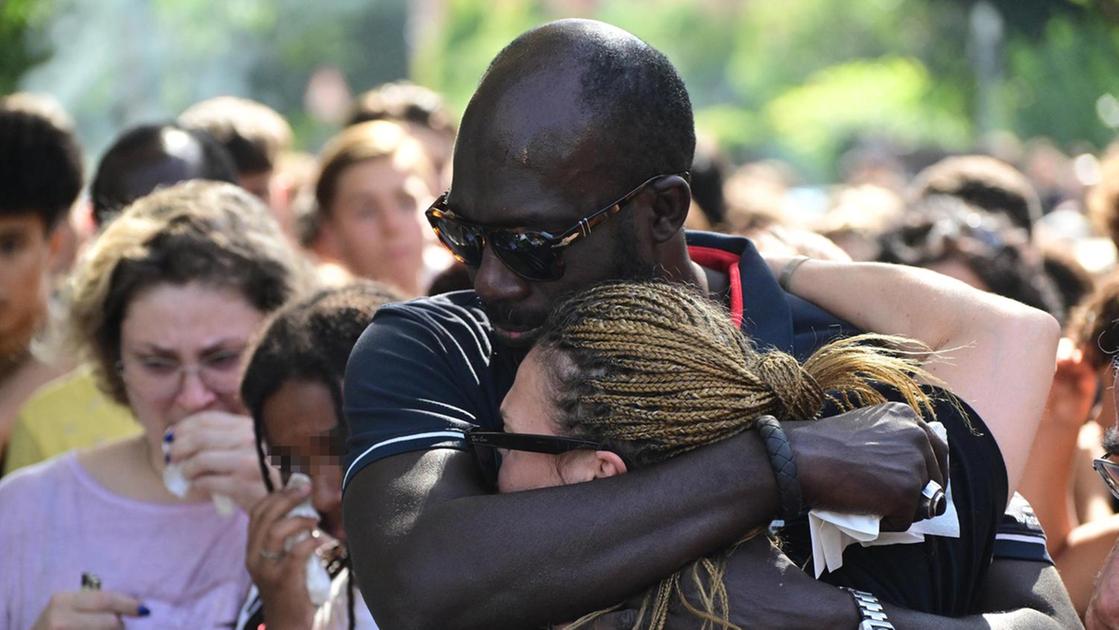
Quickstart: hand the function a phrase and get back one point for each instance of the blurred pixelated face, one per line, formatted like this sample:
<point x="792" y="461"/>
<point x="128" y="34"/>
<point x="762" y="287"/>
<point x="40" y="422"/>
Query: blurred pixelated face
<point x="376" y="223"/>
<point x="24" y="260"/>
<point x="302" y="435"/>
<point x="181" y="352"/>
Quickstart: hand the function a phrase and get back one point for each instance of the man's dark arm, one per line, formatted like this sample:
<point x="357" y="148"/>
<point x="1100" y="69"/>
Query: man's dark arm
<point x="432" y="549"/>
<point x="768" y="591"/>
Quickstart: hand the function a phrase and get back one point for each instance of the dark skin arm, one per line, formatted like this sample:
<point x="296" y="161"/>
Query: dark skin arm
<point x="768" y="591"/>
<point x="432" y="549"/>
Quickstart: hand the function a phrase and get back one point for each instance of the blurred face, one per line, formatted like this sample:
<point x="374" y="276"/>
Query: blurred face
<point x="25" y="255"/>
<point x="376" y="226"/>
<point x="300" y="423"/>
<point x="181" y="351"/>
<point x="529" y="408"/>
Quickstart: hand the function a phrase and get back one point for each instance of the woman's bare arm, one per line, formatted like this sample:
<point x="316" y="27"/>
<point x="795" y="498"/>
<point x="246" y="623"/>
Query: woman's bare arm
<point x="999" y="354"/>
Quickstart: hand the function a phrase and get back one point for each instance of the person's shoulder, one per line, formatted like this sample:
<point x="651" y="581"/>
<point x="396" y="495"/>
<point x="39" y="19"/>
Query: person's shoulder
<point x="447" y="314"/>
<point x="450" y="321"/>
<point x="1020" y="536"/>
<point x="27" y="487"/>
<point x="70" y="393"/>
<point x="71" y="412"/>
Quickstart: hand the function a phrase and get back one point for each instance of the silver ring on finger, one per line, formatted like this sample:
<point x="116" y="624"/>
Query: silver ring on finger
<point x="930" y="489"/>
<point x="271" y="555"/>
<point x="933" y="500"/>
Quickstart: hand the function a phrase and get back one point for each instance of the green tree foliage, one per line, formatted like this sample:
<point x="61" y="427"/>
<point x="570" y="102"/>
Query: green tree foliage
<point x="20" y="48"/>
<point x="796" y="79"/>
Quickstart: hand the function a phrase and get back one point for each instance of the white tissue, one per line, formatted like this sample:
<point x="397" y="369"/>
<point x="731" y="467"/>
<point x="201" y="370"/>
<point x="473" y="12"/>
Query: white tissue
<point x="318" y="580"/>
<point x="832" y="532"/>
<point x="178" y="485"/>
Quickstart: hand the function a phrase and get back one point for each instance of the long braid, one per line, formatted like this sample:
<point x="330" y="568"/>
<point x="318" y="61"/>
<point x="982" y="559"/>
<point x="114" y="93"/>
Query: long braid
<point x="655" y="370"/>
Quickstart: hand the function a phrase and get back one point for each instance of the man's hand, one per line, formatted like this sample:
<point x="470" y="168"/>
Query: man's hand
<point x="874" y="460"/>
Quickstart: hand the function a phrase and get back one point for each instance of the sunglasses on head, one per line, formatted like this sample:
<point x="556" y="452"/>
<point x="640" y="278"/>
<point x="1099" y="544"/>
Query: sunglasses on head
<point x="1109" y="470"/>
<point x="532" y="254"/>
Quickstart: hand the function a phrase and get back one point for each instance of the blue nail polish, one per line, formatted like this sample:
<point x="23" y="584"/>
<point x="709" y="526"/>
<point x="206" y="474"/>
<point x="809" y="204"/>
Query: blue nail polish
<point x="143" y="611"/>
<point x="169" y="436"/>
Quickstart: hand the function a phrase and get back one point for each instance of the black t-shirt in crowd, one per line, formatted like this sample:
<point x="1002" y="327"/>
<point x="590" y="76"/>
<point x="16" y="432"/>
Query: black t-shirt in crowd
<point x="426" y="371"/>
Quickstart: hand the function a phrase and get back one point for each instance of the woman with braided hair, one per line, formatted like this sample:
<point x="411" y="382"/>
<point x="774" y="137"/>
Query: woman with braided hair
<point x="631" y="374"/>
<point x="292" y="387"/>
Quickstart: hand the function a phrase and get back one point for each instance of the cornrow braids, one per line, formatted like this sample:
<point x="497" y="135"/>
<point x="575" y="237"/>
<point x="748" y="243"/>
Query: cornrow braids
<point x="654" y="370"/>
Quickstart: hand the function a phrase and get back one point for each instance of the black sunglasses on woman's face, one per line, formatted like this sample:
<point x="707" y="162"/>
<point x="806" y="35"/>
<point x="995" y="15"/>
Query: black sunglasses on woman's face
<point x="532" y="254"/>
<point x="530" y="442"/>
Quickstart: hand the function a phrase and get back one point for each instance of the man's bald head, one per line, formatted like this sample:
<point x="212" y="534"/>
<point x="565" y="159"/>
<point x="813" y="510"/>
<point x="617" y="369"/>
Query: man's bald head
<point x="577" y="97"/>
<point x="146" y="157"/>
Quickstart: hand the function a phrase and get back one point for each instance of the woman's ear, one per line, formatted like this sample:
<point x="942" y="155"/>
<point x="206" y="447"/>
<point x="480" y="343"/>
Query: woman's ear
<point x="580" y="466"/>
<point x="608" y="464"/>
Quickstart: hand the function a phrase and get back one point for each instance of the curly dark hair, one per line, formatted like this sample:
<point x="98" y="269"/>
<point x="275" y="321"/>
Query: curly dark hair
<point x="1094" y="324"/>
<point x="985" y="182"/>
<point x="310" y="340"/>
<point x="40" y="160"/>
<point x="942" y="228"/>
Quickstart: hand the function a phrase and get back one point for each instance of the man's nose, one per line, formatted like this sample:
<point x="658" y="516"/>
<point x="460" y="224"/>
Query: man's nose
<point x="494" y="282"/>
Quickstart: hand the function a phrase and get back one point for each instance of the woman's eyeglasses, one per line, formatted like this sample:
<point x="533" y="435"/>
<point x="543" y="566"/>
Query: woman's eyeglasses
<point x="1109" y="470"/>
<point x="532" y="254"/>
<point x="161" y="377"/>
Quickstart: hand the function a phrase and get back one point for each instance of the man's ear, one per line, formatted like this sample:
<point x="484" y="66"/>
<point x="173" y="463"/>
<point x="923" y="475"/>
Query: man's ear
<point x="670" y="207"/>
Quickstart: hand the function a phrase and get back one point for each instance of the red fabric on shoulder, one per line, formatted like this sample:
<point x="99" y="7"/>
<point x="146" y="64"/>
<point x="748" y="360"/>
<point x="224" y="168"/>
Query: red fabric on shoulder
<point x="727" y="262"/>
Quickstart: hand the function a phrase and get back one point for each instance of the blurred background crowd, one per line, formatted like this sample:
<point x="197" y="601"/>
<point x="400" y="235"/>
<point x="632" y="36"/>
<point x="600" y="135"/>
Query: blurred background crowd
<point x="974" y="138"/>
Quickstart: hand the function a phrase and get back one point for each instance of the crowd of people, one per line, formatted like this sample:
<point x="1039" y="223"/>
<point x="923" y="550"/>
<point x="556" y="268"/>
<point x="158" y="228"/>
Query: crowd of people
<point x="557" y="365"/>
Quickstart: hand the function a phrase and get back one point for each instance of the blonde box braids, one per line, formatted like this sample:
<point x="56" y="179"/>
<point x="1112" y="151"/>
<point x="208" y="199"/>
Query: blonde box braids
<point x="654" y="370"/>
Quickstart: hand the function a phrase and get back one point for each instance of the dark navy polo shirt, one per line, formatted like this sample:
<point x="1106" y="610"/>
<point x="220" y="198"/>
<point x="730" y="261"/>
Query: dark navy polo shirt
<point x="426" y="370"/>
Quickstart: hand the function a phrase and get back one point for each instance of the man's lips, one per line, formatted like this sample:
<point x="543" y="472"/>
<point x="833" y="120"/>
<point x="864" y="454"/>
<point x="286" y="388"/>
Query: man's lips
<point x="515" y="332"/>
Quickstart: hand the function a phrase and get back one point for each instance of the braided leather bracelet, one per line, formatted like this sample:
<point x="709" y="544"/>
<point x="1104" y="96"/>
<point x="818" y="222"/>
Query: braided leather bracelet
<point x="783" y="465"/>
